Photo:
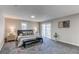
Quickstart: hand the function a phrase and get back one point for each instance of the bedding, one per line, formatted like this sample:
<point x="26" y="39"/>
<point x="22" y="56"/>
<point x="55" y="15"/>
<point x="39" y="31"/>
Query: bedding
<point x="25" y="35"/>
<point x="26" y="38"/>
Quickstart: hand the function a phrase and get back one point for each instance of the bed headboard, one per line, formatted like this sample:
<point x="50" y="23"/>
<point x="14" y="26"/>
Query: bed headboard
<point x="27" y="32"/>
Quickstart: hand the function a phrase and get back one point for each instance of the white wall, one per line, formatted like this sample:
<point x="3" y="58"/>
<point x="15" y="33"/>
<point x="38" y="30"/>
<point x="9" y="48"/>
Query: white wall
<point x="2" y="28"/>
<point x="17" y="24"/>
<point x="67" y="35"/>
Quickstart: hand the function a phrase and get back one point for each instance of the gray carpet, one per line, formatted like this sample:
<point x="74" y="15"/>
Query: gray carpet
<point x="47" y="47"/>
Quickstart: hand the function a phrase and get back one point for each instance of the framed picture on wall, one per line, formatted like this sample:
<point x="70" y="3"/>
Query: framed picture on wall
<point x="64" y="24"/>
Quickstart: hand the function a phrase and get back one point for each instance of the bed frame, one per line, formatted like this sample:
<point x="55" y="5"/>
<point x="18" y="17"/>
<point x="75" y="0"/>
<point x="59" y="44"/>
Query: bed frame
<point x="39" y="39"/>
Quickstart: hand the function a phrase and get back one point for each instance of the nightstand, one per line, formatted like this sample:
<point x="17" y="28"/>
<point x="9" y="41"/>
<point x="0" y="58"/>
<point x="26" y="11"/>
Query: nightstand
<point x="11" y="37"/>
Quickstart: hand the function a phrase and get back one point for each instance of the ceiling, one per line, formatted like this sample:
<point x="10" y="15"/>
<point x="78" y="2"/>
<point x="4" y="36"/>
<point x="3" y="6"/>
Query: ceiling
<point x="41" y="12"/>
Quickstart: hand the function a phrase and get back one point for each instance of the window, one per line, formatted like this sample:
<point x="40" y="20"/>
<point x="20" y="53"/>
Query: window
<point x="24" y="26"/>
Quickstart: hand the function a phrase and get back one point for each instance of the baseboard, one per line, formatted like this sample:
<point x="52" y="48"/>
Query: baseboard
<point x="68" y="43"/>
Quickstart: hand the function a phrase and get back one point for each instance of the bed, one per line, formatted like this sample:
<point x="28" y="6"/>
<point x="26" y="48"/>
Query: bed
<point x="27" y="37"/>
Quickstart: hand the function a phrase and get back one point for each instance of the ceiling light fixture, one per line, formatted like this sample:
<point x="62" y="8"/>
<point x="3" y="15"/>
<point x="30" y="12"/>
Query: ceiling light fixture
<point x="32" y="16"/>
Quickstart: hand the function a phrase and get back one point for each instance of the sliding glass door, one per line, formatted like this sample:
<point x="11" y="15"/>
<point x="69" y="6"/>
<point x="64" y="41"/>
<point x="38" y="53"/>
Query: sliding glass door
<point x="46" y="30"/>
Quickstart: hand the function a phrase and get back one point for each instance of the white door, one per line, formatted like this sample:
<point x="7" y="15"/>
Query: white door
<point x="46" y="30"/>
